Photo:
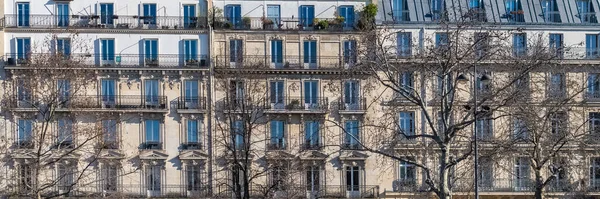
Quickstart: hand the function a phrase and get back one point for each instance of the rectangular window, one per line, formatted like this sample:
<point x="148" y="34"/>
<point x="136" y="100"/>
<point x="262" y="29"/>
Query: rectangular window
<point x="595" y="173"/>
<point x="557" y="89"/>
<point x="194" y="134"/>
<point x="482" y="44"/>
<point x="406" y="84"/>
<point x="311" y="94"/>
<point x="149" y="13"/>
<point x="592" y="46"/>
<point x="310" y="54"/>
<point x="106" y="13"/>
<point x="108" y="92"/>
<point x="521" y="174"/>
<point x="23" y="91"/>
<point x="277" y="94"/>
<point x="514" y="11"/>
<point x="352" y="136"/>
<point x="65" y="178"/>
<point x="586" y="11"/>
<point x="151" y="52"/>
<point x="278" y="178"/>
<point x="442" y="40"/>
<point x="307" y="16"/>
<point x="484" y="127"/>
<point x="237" y="92"/>
<point x="23" y="49"/>
<point x="483" y="87"/>
<point x="193" y="178"/>
<point x="556" y="44"/>
<point x="486" y="172"/>
<point x="238" y="132"/>
<point x="190" y="51"/>
<point x="519" y="44"/>
<point x="23" y="14"/>
<point x="109" y="134"/>
<point x="351" y="94"/>
<point x="407" y="173"/>
<point x="558" y="123"/>
<point x="274" y="15"/>
<point x="406" y="124"/>
<point x="62" y="14"/>
<point x="445" y="88"/>
<point x="65" y="133"/>
<point x="109" y="175"/>
<point x="404" y="44"/>
<point x="438" y="10"/>
<point x="236" y="50"/>
<point x="233" y="14"/>
<point x="153" y="178"/>
<point x="25" y="178"/>
<point x="520" y="131"/>
<point x="190" y="94"/>
<point x="277" y="135"/>
<point x="593" y="86"/>
<point x="550" y="11"/>
<point x="350" y="53"/>
<point x="108" y="51"/>
<point x="277" y="53"/>
<point x="63" y="87"/>
<point x="153" y="134"/>
<point x="313" y="178"/>
<point x="151" y="92"/>
<point x="311" y="134"/>
<point x="63" y="47"/>
<point x="400" y="10"/>
<point x="352" y="178"/>
<point x="24" y="133"/>
<point x="348" y="13"/>
<point x="189" y="16"/>
<point x="594" y="118"/>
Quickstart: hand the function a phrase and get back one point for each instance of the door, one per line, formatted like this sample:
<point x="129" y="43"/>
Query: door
<point x="151" y="52"/>
<point x="351" y="95"/>
<point x="277" y="95"/>
<point x="23" y="14"/>
<point x="307" y="15"/>
<point x="352" y="181"/>
<point x="274" y="15"/>
<point x="62" y="14"/>
<point x="352" y="136"/>
<point x="235" y="52"/>
<point x="311" y="94"/>
<point x="190" y="54"/>
<point x="63" y="46"/>
<point x="106" y="13"/>
<point x="191" y="94"/>
<point x="233" y="14"/>
<point x="108" y="92"/>
<point x="23" y="46"/>
<point x="348" y="13"/>
<point x="591" y="46"/>
<point x="64" y="88"/>
<point x="108" y="51"/>
<point x="349" y="53"/>
<point x="190" y="20"/>
<point x="310" y="54"/>
<point x="149" y="14"/>
<point x="277" y="53"/>
<point x="151" y="92"/>
<point x="311" y="134"/>
<point x="313" y="181"/>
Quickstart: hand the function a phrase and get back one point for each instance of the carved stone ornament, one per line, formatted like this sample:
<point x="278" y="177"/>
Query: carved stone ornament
<point x="235" y="36"/>
<point x="350" y="37"/>
<point x="310" y="37"/>
<point x="276" y="37"/>
<point x="293" y="87"/>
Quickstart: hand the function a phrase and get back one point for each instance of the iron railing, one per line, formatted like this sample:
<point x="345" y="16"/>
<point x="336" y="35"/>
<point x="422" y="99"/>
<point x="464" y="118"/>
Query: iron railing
<point x="592" y="95"/>
<point x="100" y="60"/>
<point x="303" y="191"/>
<point x="191" y="103"/>
<point x="311" y="145"/>
<point x="191" y="146"/>
<point x="99" y="102"/>
<point x="283" y="24"/>
<point x="298" y="104"/>
<point x="104" y="22"/>
<point x="557" y="53"/>
<point x="286" y="62"/>
<point x="359" y="104"/>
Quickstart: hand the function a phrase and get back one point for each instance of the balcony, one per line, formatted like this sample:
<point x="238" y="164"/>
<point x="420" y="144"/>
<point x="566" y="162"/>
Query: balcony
<point x="150" y="145"/>
<point x="304" y="191"/>
<point x="358" y="106"/>
<point x="350" y="146"/>
<point x="24" y="144"/>
<point x="191" y="146"/>
<point x="283" y="24"/>
<point x="311" y="145"/>
<point x="317" y="105"/>
<point x="191" y="104"/>
<point x="101" y="103"/>
<point x="592" y="96"/>
<point x="276" y="144"/>
<point x="121" y="22"/>
<point x="101" y="61"/>
<point x="285" y="62"/>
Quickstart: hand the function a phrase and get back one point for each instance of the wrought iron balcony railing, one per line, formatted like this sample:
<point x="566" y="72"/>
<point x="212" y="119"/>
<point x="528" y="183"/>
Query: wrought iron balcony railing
<point x="191" y="146"/>
<point x="311" y="145"/>
<point x="110" y="61"/>
<point x="354" y="104"/>
<point x="283" y="24"/>
<point x="298" y="104"/>
<point x="151" y="145"/>
<point x="104" y="22"/>
<point x="302" y="191"/>
<point x="592" y="95"/>
<point x="107" y="102"/>
<point x="286" y="62"/>
<point x="198" y="103"/>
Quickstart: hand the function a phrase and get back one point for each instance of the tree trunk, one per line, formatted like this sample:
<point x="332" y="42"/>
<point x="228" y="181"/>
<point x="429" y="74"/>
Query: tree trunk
<point x="538" y="193"/>
<point x="539" y="184"/>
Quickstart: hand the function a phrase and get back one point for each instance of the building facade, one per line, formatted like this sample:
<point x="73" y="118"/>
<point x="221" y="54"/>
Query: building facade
<point x="268" y="98"/>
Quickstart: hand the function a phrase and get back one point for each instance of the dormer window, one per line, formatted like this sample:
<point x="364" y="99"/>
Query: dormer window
<point x="586" y="11"/>
<point x="477" y="11"/>
<point x="550" y="11"/>
<point x="438" y="10"/>
<point x="514" y="11"/>
<point x="400" y="10"/>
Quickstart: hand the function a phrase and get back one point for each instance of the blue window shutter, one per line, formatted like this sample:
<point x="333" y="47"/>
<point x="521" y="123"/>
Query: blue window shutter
<point x="306" y="51"/>
<point x="189" y="11"/>
<point x="279" y="51"/>
<point x="313" y="51"/>
<point x="273" y="92"/>
<point x="147" y="50"/>
<point x="306" y="92"/>
<point x="347" y="92"/>
<point x="232" y="51"/>
<point x="311" y="14"/>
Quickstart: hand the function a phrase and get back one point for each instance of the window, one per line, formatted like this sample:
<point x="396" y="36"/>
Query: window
<point x="520" y="131"/>
<point x="586" y="11"/>
<point x="307" y="16"/>
<point x="193" y="177"/>
<point x="190" y="94"/>
<point x="404" y="44"/>
<point x="190" y="51"/>
<point x="24" y="133"/>
<point x="592" y="46"/>
<point x="237" y="178"/>
<point x="406" y="124"/>
<point x="23" y="14"/>
<point x="106" y="13"/>
<point x="595" y="173"/>
<point x="311" y="134"/>
<point x="65" y="133"/>
<point x="310" y="54"/>
<point x="477" y="10"/>
<point x="108" y="51"/>
<point x="352" y="178"/>
<point x="278" y="177"/>
<point x="594" y="118"/>
<point x="190" y="20"/>
<point x="556" y="44"/>
<point x="63" y="47"/>
<point x="151" y="52"/>
<point x="65" y="178"/>
<point x="514" y="11"/>
<point x="350" y="53"/>
<point x="233" y="14"/>
<point x="481" y="44"/>
<point x="153" y="178"/>
<point x="277" y="94"/>
<point x="519" y="44"/>
<point x="351" y="94"/>
<point x="521" y="172"/>
<point x="236" y="50"/>
<point x="438" y="9"/>
<point x="23" y="49"/>
<point x="277" y="135"/>
<point x="558" y="123"/>
<point x="442" y="40"/>
<point x="151" y="92"/>
<point x="238" y="93"/>
<point x="481" y="87"/>
<point x="550" y="11"/>
<point x="108" y="92"/>
<point x="313" y="178"/>
<point x="484" y="127"/>
<point x="109" y="134"/>
<point x="348" y="13"/>
<point x="406" y="84"/>
<point x="23" y="92"/>
<point x="352" y="136"/>
<point x="445" y="89"/>
<point x="274" y="14"/>
<point x="407" y="173"/>
<point x="400" y="10"/>
<point x="109" y="175"/>
<point x="557" y="89"/>
<point x="152" y="134"/>
<point x="486" y="172"/>
<point x="149" y="13"/>
<point x="194" y="134"/>
<point x="62" y="14"/>
<point x="593" y="86"/>
<point x="25" y="178"/>
<point x="277" y="53"/>
<point x="238" y="135"/>
<point x="311" y="94"/>
<point x="63" y="87"/>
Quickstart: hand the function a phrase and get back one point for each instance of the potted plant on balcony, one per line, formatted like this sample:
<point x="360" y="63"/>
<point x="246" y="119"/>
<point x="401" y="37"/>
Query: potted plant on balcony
<point x="293" y="104"/>
<point x="367" y="17"/>
<point x="191" y="62"/>
<point x="337" y="22"/>
<point x="321" y="24"/>
<point x="151" y="61"/>
<point x="267" y="23"/>
<point x="246" y="21"/>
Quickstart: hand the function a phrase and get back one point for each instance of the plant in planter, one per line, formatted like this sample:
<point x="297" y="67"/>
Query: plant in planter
<point x="337" y="22"/>
<point x="191" y="62"/>
<point x="367" y="17"/>
<point x="246" y="22"/>
<point x="293" y="104"/>
<point x="267" y="23"/>
<point x="322" y="25"/>
<point x="227" y="25"/>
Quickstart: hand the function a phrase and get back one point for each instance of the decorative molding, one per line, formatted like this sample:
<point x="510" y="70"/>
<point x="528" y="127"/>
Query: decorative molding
<point x="235" y="36"/>
<point x="276" y="37"/>
<point x="310" y="37"/>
